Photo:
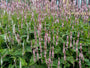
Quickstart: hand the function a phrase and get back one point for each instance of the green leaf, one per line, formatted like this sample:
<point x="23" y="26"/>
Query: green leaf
<point x="32" y="61"/>
<point x="23" y="62"/>
<point x="28" y="49"/>
<point x="11" y="66"/>
<point x="70" y="59"/>
<point x="55" y="62"/>
<point x="4" y="52"/>
<point x="17" y="52"/>
<point x="87" y="62"/>
<point x="57" y="50"/>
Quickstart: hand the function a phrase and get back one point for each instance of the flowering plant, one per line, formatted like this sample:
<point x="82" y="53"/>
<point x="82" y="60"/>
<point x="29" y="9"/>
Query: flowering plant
<point x="44" y="37"/>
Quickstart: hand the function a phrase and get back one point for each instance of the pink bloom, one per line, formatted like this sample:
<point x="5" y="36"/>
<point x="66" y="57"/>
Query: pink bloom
<point x="77" y="46"/>
<point x="49" y="60"/>
<point x="71" y="39"/>
<point x="35" y="35"/>
<point x="64" y="51"/>
<point x="52" y="51"/>
<point x="34" y="55"/>
<point x="77" y="49"/>
<point x="79" y="62"/>
<point x="53" y="39"/>
<point x="37" y="54"/>
<point x="62" y="24"/>
<point x="45" y="38"/>
<point x="58" y="62"/>
<point x="76" y="53"/>
<point x="78" y="35"/>
<point x="40" y="26"/>
<point x="57" y="39"/>
<point x="45" y="54"/>
<point x="73" y="43"/>
<point x="49" y="39"/>
<point x="67" y="41"/>
<point x="81" y="54"/>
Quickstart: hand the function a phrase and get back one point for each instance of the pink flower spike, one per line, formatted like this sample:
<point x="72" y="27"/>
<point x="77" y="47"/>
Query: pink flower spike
<point x="67" y="41"/>
<point x="64" y="51"/>
<point x="52" y="51"/>
<point x="58" y="62"/>
<point x="70" y="39"/>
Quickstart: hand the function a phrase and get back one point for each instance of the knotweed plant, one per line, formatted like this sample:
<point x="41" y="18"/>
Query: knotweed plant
<point x="44" y="34"/>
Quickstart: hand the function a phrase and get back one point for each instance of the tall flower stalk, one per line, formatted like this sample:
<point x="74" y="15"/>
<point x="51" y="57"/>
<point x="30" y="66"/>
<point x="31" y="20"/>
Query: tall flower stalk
<point x="20" y="64"/>
<point x="58" y="62"/>
<point x="34" y="55"/>
<point x="52" y="51"/>
<point x="81" y="53"/>
<point x="57" y="39"/>
<point x="67" y="42"/>
<point x="80" y="62"/>
<point x="64" y="51"/>
<point x="70" y="39"/>
<point x="73" y="43"/>
<point x="77" y="46"/>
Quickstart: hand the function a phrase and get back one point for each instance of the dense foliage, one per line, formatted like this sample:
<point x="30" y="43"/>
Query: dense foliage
<point x="39" y="39"/>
